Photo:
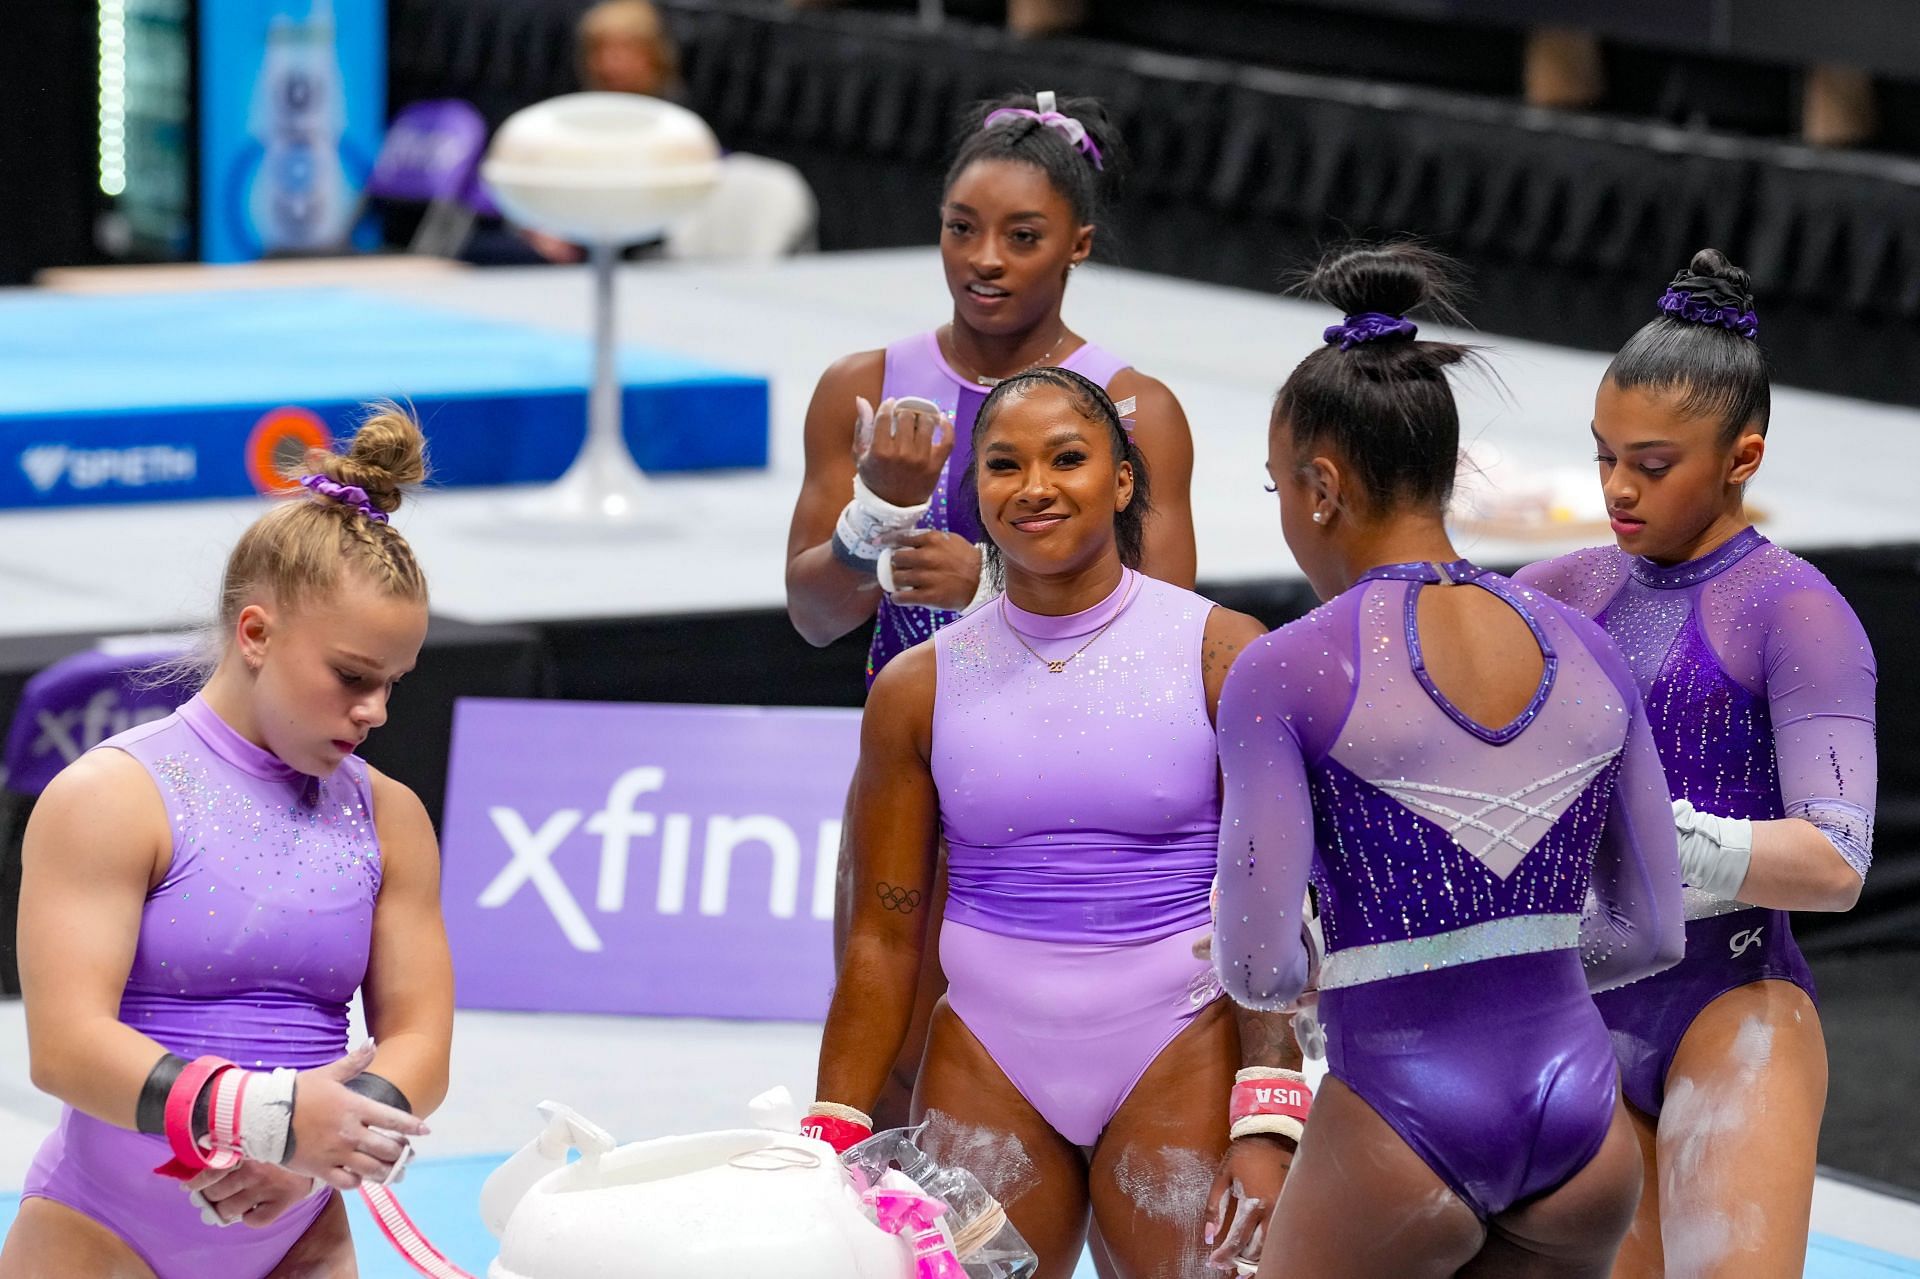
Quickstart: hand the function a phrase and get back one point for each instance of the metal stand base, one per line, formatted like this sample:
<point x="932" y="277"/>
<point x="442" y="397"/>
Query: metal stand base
<point x="603" y="489"/>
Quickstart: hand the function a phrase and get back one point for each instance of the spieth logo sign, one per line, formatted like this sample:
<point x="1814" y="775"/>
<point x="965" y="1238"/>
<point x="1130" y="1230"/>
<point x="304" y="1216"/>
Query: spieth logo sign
<point x="645" y="859"/>
<point x="140" y="466"/>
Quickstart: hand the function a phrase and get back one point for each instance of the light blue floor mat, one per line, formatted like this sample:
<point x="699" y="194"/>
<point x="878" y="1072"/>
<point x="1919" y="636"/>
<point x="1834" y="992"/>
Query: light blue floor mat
<point x="442" y="1197"/>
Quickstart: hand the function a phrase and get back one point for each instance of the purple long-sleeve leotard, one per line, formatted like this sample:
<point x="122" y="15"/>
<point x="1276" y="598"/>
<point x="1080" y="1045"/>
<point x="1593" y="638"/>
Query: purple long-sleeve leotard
<point x="250" y="948"/>
<point x="1759" y="686"/>
<point x="1473" y="882"/>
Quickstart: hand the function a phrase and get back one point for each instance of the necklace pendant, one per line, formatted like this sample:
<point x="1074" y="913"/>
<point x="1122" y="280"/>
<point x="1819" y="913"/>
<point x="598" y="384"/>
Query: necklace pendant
<point x="1055" y="668"/>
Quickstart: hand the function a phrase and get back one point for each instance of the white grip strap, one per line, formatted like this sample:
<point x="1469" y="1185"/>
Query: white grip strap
<point x="251" y="1113"/>
<point x="867" y="524"/>
<point x="834" y="1110"/>
<point x="1715" y="852"/>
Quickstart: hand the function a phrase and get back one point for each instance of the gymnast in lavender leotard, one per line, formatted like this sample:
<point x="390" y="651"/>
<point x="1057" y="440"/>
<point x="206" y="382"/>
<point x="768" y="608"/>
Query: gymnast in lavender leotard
<point x="1464" y="771"/>
<point x="1022" y="205"/>
<point x="1759" y="684"/>
<point x="250" y="949"/>
<point x="1060" y="741"/>
<point x="217" y="885"/>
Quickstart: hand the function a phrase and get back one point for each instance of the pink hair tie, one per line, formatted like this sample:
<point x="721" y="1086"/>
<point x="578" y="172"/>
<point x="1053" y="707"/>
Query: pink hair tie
<point x="345" y="494"/>
<point x="1070" y="128"/>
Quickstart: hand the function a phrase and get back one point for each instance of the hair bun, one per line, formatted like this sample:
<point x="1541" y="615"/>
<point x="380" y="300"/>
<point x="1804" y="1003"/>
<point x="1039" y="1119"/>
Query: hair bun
<point x="1715" y="282"/>
<point x="386" y="457"/>
<point x="1712" y="269"/>
<point x="1386" y="279"/>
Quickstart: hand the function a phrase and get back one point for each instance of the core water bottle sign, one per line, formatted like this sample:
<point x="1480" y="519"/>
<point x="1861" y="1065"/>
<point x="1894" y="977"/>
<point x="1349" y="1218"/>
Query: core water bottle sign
<point x="299" y="198"/>
<point x="290" y="134"/>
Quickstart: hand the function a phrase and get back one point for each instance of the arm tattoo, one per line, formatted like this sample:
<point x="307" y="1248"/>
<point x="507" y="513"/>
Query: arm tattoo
<point x="1266" y="1039"/>
<point x="1218" y="655"/>
<point x="894" y="897"/>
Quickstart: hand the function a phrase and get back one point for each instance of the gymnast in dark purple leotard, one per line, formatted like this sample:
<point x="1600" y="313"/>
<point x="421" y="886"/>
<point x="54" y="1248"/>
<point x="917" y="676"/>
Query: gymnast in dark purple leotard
<point x="1465" y="769"/>
<point x="1759" y="684"/>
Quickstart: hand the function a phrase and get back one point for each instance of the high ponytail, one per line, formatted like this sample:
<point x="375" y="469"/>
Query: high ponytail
<point x="1376" y="394"/>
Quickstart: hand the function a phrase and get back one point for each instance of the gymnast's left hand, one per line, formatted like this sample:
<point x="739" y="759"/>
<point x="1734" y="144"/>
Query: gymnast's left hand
<point x="1243" y="1197"/>
<point x="251" y="1192"/>
<point x="935" y="569"/>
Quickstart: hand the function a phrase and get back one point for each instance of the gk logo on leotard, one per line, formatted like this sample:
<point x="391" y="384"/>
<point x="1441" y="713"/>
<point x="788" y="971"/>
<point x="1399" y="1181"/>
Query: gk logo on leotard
<point x="1744" y="941"/>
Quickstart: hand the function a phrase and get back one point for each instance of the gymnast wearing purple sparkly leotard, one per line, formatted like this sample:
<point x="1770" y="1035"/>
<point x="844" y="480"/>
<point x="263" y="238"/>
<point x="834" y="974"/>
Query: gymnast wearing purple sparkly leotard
<point x="1759" y="687"/>
<point x="203" y="895"/>
<point x="1061" y="861"/>
<point x="250" y="949"/>
<point x="1759" y="684"/>
<point x="1463" y="770"/>
<point x="1451" y="861"/>
<point x="1059" y="742"/>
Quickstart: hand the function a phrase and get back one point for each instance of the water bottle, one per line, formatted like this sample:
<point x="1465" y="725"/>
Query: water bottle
<point x="984" y="1239"/>
<point x="300" y="198"/>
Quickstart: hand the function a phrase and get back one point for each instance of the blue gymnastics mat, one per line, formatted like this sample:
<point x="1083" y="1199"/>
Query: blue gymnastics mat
<point x="199" y="395"/>
<point x="443" y="1195"/>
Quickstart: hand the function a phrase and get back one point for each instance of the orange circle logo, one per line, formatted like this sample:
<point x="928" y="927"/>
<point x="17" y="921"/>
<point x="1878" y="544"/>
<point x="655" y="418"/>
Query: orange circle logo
<point x="278" y="444"/>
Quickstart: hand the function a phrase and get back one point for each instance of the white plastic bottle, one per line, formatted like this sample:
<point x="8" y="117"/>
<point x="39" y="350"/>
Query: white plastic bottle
<point x="299" y="201"/>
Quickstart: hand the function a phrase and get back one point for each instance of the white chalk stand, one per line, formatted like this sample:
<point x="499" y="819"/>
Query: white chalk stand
<point x="605" y="170"/>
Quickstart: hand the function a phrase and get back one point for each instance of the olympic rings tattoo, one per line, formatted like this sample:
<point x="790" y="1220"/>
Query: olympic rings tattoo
<point x="903" y="900"/>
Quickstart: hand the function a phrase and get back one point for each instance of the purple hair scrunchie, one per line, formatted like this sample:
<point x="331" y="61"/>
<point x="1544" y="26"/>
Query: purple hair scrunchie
<point x="345" y="494"/>
<point x="1370" y="326"/>
<point x="1068" y="127"/>
<point x="1697" y="309"/>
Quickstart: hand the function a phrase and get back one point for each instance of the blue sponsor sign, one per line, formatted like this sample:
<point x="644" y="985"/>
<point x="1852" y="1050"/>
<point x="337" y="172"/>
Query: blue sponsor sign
<point x="292" y="111"/>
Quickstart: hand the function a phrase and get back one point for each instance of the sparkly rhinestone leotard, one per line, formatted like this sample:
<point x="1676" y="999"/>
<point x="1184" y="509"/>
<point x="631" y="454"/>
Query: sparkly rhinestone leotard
<point x="250" y="948"/>
<point x="1452" y="863"/>
<point x="1759" y="684"/>
<point x="914" y="366"/>
<point x="1081" y="812"/>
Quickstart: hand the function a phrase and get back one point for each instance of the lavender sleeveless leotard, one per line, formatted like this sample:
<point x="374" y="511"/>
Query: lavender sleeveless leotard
<point x="914" y="366"/>
<point x="1759" y="683"/>
<point x="250" y="948"/>
<point x="1452" y="863"/>
<point x="1081" y="813"/>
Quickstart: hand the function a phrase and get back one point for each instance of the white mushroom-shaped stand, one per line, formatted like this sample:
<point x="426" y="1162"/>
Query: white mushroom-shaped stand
<point x="603" y="170"/>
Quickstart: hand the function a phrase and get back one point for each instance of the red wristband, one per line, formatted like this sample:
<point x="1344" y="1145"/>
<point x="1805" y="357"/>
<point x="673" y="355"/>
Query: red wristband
<point x="189" y="1159"/>
<point x="1270" y="1098"/>
<point x="841" y="1134"/>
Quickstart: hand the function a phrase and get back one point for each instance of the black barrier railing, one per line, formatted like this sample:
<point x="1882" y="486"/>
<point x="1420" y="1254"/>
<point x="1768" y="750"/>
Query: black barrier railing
<point x="1569" y="224"/>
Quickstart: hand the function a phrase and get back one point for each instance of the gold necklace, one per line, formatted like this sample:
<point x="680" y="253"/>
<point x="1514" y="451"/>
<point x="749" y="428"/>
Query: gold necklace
<point x="982" y="380"/>
<point x="1057" y="667"/>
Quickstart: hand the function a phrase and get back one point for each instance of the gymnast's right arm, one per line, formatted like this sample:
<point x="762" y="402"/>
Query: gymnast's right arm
<point x="1266" y="836"/>
<point x="825" y="597"/>
<point x="97" y="843"/>
<point x="895" y="812"/>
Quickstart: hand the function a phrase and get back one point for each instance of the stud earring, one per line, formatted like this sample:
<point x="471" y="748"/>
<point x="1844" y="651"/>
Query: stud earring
<point x="1319" y="517"/>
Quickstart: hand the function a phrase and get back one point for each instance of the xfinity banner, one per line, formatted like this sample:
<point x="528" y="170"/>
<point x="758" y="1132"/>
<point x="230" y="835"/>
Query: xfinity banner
<point x="617" y="858"/>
